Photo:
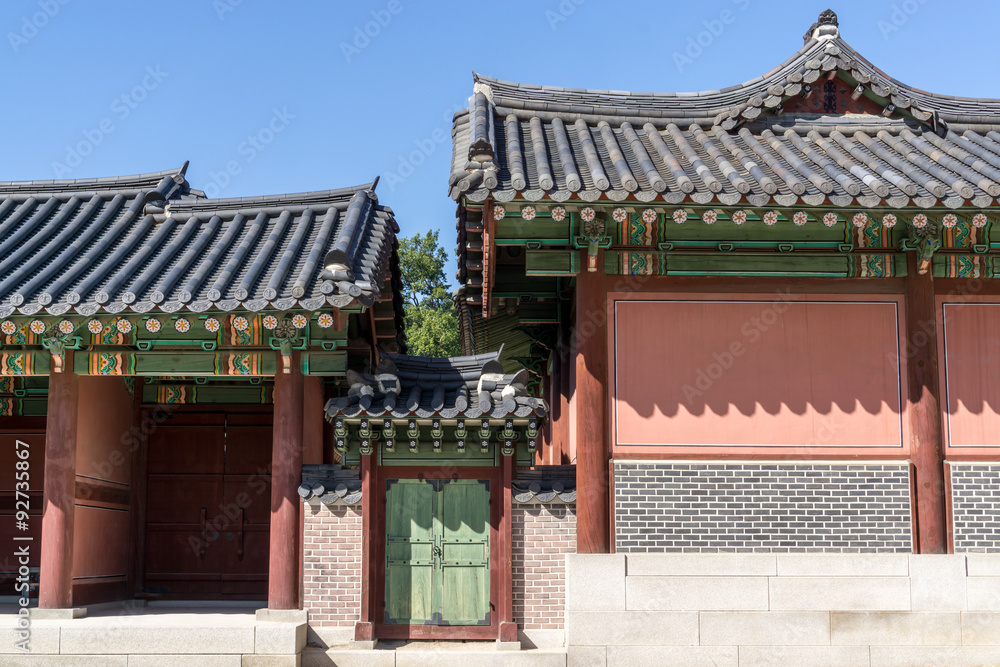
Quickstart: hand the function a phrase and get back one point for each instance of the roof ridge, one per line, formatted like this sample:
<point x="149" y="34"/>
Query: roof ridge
<point x="77" y="184"/>
<point x="314" y="196"/>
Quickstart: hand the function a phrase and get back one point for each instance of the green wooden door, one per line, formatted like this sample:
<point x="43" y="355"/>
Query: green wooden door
<point x="437" y="569"/>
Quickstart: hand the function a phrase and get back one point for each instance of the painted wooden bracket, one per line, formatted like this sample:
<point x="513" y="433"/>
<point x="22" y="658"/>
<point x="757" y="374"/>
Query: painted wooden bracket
<point x="926" y="240"/>
<point x="57" y="340"/>
<point x="460" y="435"/>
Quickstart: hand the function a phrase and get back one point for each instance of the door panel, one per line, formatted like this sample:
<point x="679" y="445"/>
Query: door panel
<point x="437" y="552"/>
<point x="187" y="449"/>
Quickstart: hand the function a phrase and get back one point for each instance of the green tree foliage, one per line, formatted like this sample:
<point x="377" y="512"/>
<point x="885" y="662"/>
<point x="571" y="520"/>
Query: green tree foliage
<point x="431" y="320"/>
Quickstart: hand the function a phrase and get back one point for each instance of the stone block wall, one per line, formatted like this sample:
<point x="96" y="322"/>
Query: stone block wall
<point x="975" y="506"/>
<point x="332" y="563"/>
<point x="670" y="506"/>
<point x="745" y="610"/>
<point x="543" y="533"/>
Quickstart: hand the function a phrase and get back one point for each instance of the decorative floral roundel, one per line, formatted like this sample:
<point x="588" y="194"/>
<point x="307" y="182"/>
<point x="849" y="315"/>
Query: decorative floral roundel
<point x="212" y="325"/>
<point x="499" y="212"/>
<point x="739" y="217"/>
<point x="680" y="216"/>
<point x="66" y="327"/>
<point x="979" y="220"/>
<point x="325" y="321"/>
<point x="949" y="220"/>
<point x="830" y="219"/>
<point x="528" y="213"/>
<point x="800" y="218"/>
<point x="95" y="326"/>
<point x="182" y="324"/>
<point x="888" y="220"/>
<point x="619" y="215"/>
<point x="241" y="323"/>
<point x="588" y="214"/>
<point x="37" y="327"/>
<point x="300" y="321"/>
<point x="558" y="214"/>
<point x="124" y="326"/>
<point x="920" y="220"/>
<point x="152" y="325"/>
<point x="8" y="327"/>
<point x="270" y="321"/>
<point x="709" y="217"/>
<point x="770" y="218"/>
<point x="860" y="220"/>
<point x="649" y="216"/>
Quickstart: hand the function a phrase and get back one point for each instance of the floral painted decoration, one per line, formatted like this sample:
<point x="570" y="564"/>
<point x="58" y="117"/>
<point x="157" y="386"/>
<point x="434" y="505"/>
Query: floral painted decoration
<point x="830" y="219"/>
<point x="920" y="220"/>
<point x="300" y="321"/>
<point x="739" y="217"/>
<point x="588" y="214"/>
<point x="800" y="218"/>
<point x="182" y="324"/>
<point x="212" y="325"/>
<point x="241" y="323"/>
<point x="558" y="214"/>
<point x="152" y="325"/>
<point x="680" y="216"/>
<point x="770" y="218"/>
<point x="499" y="212"/>
<point x="619" y="214"/>
<point x="888" y="220"/>
<point x="979" y="220"/>
<point x="8" y="327"/>
<point x="649" y="216"/>
<point x="95" y="326"/>
<point x="949" y="220"/>
<point x="66" y="327"/>
<point x="325" y="321"/>
<point x="37" y="327"/>
<point x="124" y="326"/>
<point x="860" y="220"/>
<point x="270" y="321"/>
<point x="709" y="217"/>
<point x="528" y="213"/>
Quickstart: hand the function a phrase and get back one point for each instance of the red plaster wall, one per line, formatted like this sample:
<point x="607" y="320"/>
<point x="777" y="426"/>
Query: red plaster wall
<point x="808" y="372"/>
<point x="970" y="369"/>
<point x="332" y="564"/>
<point x="542" y="536"/>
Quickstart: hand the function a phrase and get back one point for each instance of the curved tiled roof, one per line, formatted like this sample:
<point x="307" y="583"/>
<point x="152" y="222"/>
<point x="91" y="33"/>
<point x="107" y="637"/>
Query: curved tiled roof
<point x="424" y="387"/>
<point x="150" y="242"/>
<point x="753" y="143"/>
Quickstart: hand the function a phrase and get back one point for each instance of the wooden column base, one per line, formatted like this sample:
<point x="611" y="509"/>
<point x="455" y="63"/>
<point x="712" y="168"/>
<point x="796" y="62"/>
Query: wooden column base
<point x="508" y="632"/>
<point x="364" y="631"/>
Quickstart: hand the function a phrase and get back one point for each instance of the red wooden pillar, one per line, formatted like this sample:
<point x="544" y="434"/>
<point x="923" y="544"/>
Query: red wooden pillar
<point x="364" y="629"/>
<point x="286" y="475"/>
<point x="925" y="410"/>
<point x="508" y="628"/>
<point x="55" y="587"/>
<point x="591" y="337"/>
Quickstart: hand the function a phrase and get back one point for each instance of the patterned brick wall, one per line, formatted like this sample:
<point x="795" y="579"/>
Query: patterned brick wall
<point x="975" y="506"/>
<point x="332" y="563"/>
<point x="543" y="535"/>
<point x="712" y="507"/>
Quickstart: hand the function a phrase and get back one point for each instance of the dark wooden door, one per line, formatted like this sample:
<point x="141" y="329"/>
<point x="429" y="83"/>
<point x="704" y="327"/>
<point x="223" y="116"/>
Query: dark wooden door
<point x="208" y="509"/>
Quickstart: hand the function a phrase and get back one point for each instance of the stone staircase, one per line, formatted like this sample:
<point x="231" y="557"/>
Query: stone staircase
<point x="437" y="653"/>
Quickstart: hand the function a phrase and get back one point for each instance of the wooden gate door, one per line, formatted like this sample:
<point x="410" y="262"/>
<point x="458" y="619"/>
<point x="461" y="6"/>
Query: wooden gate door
<point x="208" y="508"/>
<point x="437" y="567"/>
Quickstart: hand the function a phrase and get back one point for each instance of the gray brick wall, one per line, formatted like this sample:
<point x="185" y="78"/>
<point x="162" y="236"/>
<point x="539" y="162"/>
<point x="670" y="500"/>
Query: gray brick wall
<point x="975" y="506"/>
<point x="762" y="507"/>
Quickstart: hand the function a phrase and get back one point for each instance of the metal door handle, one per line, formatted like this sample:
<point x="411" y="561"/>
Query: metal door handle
<point x="437" y="552"/>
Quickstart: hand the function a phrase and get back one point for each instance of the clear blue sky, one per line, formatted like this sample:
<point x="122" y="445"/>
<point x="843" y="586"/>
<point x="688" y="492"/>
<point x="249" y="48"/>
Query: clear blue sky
<point x="147" y="85"/>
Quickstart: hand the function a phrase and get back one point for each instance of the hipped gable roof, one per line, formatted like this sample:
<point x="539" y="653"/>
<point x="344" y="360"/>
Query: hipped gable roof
<point x="881" y="142"/>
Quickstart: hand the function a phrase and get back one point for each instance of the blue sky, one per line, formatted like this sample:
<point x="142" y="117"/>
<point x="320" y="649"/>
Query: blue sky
<point x="270" y="97"/>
